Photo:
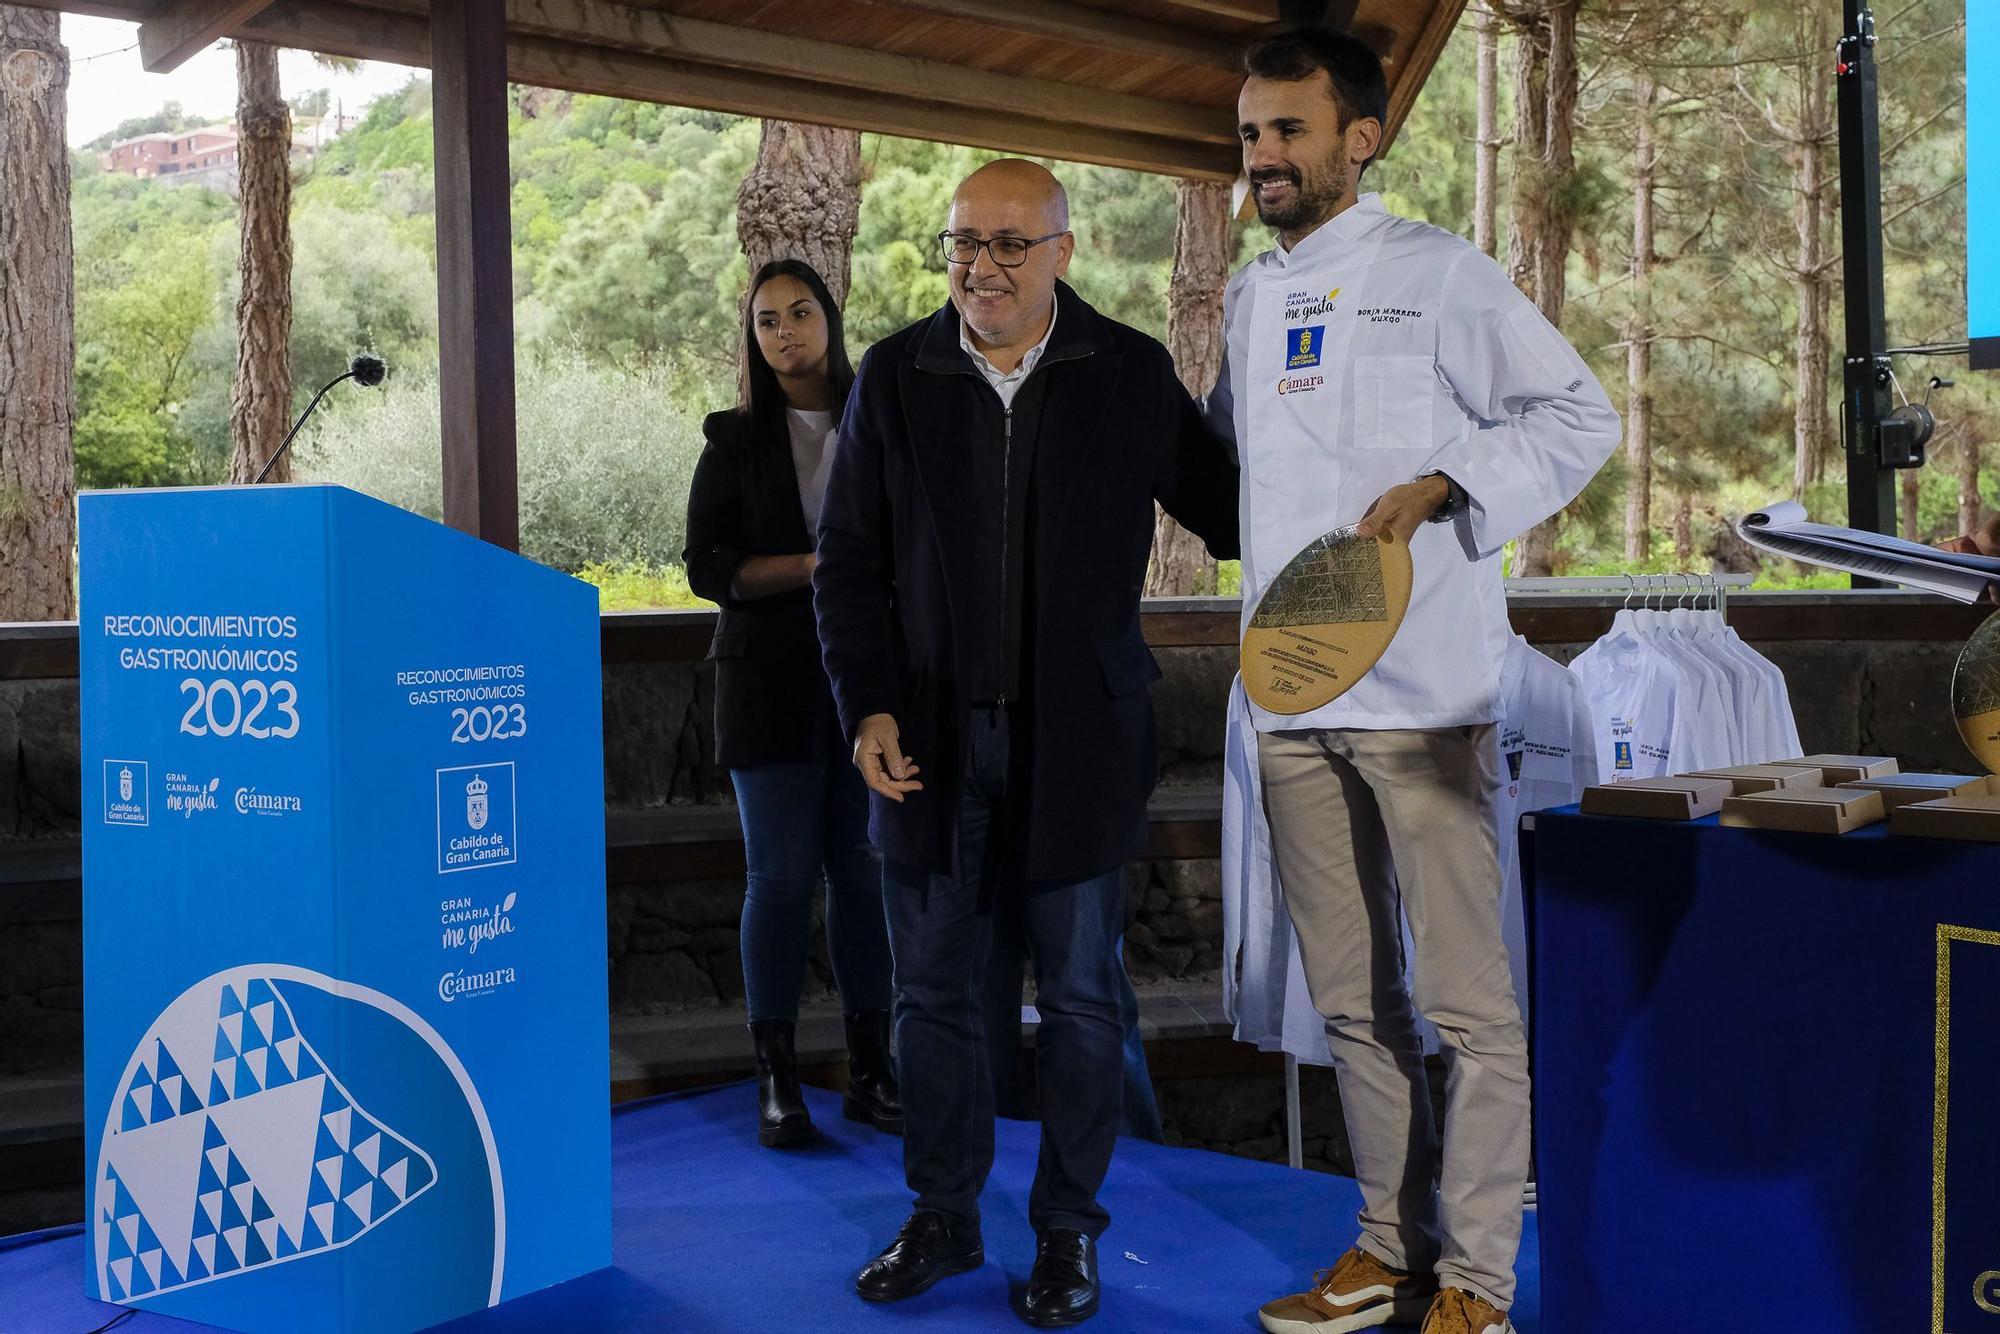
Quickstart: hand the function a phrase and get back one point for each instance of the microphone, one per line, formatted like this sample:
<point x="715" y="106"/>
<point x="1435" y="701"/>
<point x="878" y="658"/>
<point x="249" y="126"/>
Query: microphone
<point x="365" y="369"/>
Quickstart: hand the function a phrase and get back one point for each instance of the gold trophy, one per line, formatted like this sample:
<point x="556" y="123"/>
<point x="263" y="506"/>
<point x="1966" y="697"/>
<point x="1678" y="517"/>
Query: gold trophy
<point x="1325" y="620"/>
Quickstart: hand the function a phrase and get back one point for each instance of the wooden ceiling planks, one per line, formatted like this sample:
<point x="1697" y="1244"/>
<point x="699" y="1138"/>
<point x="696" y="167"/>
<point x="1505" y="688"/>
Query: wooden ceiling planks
<point x="1147" y="84"/>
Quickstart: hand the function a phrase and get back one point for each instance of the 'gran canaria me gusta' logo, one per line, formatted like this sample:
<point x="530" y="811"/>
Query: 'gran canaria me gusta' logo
<point x="1308" y="305"/>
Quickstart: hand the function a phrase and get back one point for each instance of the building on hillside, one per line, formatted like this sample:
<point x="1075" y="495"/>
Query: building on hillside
<point x="207" y="155"/>
<point x="180" y="153"/>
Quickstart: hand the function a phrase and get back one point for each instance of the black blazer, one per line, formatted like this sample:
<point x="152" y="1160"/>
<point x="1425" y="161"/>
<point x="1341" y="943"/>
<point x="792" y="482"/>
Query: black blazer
<point x="1116" y="431"/>
<point x="771" y="693"/>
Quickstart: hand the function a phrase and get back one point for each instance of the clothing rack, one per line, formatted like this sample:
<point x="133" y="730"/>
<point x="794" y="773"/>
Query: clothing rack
<point x="1644" y="587"/>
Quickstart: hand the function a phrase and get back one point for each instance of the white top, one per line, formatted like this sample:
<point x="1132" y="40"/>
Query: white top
<point x="1639" y="705"/>
<point x="812" y="458"/>
<point x="1373" y="351"/>
<point x="1008" y="383"/>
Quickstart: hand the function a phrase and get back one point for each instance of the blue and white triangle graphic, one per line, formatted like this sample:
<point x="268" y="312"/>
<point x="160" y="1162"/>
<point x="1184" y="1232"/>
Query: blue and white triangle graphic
<point x="251" y="1154"/>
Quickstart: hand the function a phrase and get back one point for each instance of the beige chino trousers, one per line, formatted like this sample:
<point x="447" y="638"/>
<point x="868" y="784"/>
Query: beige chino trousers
<point x="1367" y="827"/>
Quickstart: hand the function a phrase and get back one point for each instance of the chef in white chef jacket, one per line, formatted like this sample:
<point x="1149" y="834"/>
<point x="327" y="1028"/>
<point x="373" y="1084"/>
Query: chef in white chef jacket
<point x="1384" y="371"/>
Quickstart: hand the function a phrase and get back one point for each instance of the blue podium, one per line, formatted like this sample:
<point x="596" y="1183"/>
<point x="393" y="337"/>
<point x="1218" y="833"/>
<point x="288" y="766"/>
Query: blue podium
<point x="346" y="1057"/>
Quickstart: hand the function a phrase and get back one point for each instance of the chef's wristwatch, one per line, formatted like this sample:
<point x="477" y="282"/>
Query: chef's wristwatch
<point x="1454" y="498"/>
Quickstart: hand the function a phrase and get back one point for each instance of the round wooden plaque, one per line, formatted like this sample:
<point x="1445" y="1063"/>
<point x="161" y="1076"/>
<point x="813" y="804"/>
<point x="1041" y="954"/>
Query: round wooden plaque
<point x="1325" y="620"/>
<point x="1975" y="693"/>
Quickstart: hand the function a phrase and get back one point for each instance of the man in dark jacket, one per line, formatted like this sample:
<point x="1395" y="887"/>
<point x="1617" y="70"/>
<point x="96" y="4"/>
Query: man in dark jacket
<point x="981" y="553"/>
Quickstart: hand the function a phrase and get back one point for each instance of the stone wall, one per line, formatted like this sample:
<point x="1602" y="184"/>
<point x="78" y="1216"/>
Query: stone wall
<point x="674" y="946"/>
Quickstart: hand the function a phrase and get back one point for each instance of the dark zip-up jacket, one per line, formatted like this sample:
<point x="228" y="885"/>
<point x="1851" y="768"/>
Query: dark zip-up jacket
<point x="905" y="548"/>
<point x="771" y="694"/>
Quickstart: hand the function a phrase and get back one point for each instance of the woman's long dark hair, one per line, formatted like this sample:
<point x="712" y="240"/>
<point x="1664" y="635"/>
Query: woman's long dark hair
<point x="767" y="400"/>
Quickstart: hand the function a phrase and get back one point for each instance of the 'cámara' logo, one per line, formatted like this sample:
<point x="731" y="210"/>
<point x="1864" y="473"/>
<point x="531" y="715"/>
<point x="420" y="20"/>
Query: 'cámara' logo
<point x="475" y="802"/>
<point x="249" y="801"/>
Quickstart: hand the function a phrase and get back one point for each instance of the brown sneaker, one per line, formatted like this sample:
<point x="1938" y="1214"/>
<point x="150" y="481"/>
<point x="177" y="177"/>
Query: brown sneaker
<point x="1359" y="1292"/>
<point x="1457" y="1311"/>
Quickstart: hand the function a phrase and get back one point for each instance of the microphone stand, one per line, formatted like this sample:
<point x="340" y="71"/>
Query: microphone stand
<point x="372" y="373"/>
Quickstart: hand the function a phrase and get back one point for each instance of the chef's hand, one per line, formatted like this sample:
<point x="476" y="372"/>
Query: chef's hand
<point x="878" y="754"/>
<point x="1400" y="509"/>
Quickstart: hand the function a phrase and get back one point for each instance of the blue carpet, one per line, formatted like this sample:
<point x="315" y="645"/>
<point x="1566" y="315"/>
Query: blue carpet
<point x="712" y="1233"/>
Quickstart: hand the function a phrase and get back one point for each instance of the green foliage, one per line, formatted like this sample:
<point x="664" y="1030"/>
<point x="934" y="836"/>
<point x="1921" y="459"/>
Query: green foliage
<point x="604" y="458"/>
<point x="628" y="280"/>
<point x="632" y="587"/>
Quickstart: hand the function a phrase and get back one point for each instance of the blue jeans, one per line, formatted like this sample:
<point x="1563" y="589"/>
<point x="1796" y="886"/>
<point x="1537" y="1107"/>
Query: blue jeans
<point x="802" y="821"/>
<point x="941" y="928"/>
<point x="1141" y="1118"/>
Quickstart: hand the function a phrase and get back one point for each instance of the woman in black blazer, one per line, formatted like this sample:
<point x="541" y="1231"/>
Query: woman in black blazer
<point x="753" y="509"/>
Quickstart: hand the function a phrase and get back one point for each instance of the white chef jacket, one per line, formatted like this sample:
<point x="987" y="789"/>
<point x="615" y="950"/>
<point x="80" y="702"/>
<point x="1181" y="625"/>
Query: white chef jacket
<point x="1373" y="351"/>
<point x="1639" y="704"/>
<point x="1547" y="759"/>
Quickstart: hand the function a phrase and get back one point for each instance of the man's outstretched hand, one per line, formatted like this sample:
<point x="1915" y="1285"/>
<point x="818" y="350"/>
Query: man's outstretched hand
<point x="1983" y="541"/>
<point x="878" y="754"/>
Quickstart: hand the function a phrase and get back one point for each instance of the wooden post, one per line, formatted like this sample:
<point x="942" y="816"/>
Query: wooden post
<point x="37" y="327"/>
<point x="475" y="268"/>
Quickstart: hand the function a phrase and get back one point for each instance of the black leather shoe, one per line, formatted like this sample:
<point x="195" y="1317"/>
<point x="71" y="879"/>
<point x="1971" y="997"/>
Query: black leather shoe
<point x="872" y="1095"/>
<point x="929" y="1247"/>
<point x="782" y="1118"/>
<point x="1062" y="1289"/>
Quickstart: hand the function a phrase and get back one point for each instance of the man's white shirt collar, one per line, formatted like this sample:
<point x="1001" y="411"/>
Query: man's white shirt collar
<point x="994" y="375"/>
<point x="1349" y="225"/>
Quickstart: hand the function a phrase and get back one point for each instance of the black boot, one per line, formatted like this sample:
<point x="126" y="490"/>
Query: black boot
<point x="872" y="1095"/>
<point x="1062" y="1288"/>
<point x="782" y="1117"/>
<point x="929" y="1247"/>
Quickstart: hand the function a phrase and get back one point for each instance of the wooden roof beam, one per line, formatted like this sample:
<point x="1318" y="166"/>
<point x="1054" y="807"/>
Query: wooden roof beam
<point x="184" y="28"/>
<point x="369" y="34"/>
<point x="1409" y="80"/>
<point x="1084" y="26"/>
<point x="727" y="46"/>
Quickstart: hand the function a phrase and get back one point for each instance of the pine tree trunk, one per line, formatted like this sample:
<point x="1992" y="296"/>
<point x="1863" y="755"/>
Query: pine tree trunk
<point x="1910" y="494"/>
<point x="261" y="400"/>
<point x="1812" y="270"/>
<point x="1971" y="508"/>
<point x="1541" y="225"/>
<point x="1486" y="161"/>
<point x="1181" y="565"/>
<point x="37" y="323"/>
<point x="1639" y="338"/>
<point x="802" y="200"/>
<point x="1684" y="530"/>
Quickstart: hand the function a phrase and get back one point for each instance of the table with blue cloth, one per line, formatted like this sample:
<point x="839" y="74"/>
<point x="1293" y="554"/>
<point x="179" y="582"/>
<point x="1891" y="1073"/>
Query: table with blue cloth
<point x="1766" y="1068"/>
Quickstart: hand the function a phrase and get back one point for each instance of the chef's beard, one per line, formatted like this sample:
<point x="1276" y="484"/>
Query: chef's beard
<point x="1313" y="203"/>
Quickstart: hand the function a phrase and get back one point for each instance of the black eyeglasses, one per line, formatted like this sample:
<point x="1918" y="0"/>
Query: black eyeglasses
<point x="1009" y="252"/>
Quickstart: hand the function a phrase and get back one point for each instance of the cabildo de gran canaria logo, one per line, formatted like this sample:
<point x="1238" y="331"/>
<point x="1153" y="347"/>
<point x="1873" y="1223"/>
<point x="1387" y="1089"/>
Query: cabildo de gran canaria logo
<point x="1303" y="347"/>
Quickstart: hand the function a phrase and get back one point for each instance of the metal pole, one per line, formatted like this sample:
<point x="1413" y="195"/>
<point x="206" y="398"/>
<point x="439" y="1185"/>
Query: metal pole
<point x="1295" y="1151"/>
<point x="1871" y="489"/>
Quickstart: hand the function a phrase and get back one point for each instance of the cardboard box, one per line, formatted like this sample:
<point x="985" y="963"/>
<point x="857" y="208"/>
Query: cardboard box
<point x="1747" y="778"/>
<point x="1685" y="797"/>
<point x="1902" y="789"/>
<point x="1845" y="768"/>
<point x="1975" y="816"/>
<point x="1805" y="810"/>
